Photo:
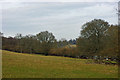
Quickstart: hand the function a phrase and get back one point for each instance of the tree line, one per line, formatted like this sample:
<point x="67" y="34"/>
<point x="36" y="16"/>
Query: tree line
<point x="97" y="38"/>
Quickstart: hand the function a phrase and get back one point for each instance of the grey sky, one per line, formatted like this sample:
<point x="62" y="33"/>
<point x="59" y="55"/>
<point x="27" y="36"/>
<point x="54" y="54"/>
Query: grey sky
<point x="63" y="19"/>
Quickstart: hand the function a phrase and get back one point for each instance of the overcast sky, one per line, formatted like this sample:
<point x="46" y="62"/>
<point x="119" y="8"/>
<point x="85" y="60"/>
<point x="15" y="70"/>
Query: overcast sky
<point x="63" y="19"/>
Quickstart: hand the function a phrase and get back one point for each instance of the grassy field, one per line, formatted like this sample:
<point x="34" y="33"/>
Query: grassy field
<point x="18" y="65"/>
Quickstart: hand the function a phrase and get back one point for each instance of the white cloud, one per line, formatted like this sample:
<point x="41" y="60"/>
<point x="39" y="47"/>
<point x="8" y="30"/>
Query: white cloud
<point x="59" y="0"/>
<point x="17" y="3"/>
<point x="59" y="18"/>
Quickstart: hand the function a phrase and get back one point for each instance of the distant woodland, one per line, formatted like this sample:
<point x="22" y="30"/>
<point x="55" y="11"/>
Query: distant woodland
<point x="97" y="38"/>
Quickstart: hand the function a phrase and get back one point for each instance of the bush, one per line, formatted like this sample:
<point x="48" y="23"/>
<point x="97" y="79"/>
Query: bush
<point x="66" y="52"/>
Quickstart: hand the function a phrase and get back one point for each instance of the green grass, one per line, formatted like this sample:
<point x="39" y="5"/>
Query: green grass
<point x="70" y="46"/>
<point x="18" y="65"/>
